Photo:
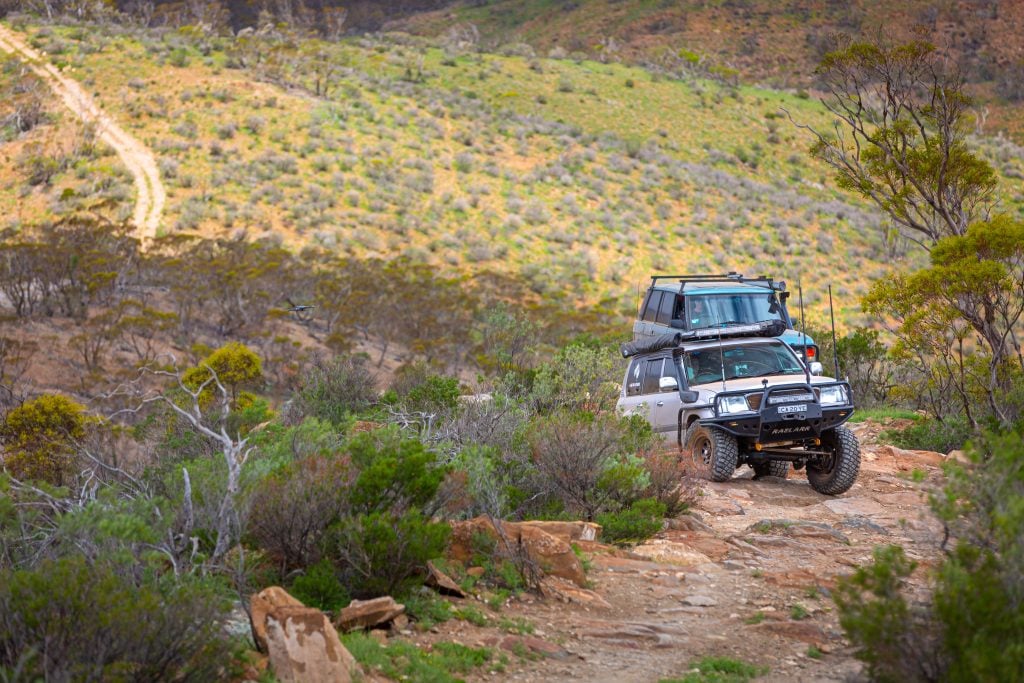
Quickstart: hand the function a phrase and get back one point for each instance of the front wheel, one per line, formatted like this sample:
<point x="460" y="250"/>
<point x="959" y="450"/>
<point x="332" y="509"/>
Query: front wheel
<point x="835" y="473"/>
<point x="714" y="453"/>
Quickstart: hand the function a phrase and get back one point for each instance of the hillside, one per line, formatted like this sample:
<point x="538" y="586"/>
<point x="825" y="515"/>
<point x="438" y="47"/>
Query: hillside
<point x="772" y="43"/>
<point x="569" y="175"/>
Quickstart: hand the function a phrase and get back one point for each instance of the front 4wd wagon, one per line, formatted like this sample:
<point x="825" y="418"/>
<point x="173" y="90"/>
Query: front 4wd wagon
<point x="741" y="396"/>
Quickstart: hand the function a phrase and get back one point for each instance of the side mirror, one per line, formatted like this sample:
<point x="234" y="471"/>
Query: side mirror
<point x="817" y="369"/>
<point x="668" y="384"/>
<point x="689" y="396"/>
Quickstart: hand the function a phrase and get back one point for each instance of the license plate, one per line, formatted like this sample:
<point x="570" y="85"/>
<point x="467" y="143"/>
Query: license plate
<point x="801" y="408"/>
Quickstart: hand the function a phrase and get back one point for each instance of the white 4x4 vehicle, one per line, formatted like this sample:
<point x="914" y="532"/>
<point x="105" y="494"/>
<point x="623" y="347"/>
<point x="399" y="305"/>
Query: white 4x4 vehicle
<point x="738" y="396"/>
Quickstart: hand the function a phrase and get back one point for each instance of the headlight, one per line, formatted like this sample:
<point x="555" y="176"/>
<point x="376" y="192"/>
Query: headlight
<point x="833" y="395"/>
<point x="732" y="404"/>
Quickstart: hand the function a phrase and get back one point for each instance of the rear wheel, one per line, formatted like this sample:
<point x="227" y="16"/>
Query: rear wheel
<point x="835" y="473"/>
<point x="772" y="468"/>
<point x="714" y="454"/>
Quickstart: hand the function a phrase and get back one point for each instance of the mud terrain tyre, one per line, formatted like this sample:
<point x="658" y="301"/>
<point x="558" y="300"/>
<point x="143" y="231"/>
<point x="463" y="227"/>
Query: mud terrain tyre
<point x="772" y="468"/>
<point x="836" y="473"/>
<point x="714" y="453"/>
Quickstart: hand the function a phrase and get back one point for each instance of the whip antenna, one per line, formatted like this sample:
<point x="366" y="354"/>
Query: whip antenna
<point x="803" y="331"/>
<point x="832" y="315"/>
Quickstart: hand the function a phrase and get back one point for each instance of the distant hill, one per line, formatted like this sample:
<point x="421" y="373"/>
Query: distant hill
<point x="576" y="177"/>
<point x="772" y="42"/>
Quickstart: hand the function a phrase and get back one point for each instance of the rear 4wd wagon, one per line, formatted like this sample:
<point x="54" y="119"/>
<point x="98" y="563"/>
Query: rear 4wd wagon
<point x="741" y="396"/>
<point x="694" y="302"/>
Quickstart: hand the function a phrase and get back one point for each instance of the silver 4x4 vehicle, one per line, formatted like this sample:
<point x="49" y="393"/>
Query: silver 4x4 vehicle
<point x="692" y="302"/>
<point x="741" y="396"/>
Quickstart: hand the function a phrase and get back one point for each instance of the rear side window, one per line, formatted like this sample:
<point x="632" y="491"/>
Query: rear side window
<point x="652" y="375"/>
<point x="634" y="378"/>
<point x="653" y="304"/>
<point x="668" y="303"/>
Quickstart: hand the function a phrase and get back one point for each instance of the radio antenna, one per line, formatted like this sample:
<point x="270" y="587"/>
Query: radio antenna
<point x="803" y="331"/>
<point x="832" y="315"/>
<point x="721" y="355"/>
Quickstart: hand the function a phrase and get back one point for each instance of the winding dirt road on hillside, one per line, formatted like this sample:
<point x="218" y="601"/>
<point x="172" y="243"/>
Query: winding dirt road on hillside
<point x="150" y="194"/>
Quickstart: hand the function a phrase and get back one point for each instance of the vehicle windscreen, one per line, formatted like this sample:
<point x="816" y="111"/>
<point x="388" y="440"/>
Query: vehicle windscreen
<point x="760" y="360"/>
<point x="713" y="310"/>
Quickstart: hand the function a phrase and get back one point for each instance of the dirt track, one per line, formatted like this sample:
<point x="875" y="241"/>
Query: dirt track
<point x="150" y="194"/>
<point x="748" y="577"/>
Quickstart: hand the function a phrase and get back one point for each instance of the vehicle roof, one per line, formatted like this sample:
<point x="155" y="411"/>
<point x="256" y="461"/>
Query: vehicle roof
<point x="712" y="288"/>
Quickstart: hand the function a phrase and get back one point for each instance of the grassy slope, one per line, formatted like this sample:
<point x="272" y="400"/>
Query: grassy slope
<point x="769" y="41"/>
<point x="85" y="173"/>
<point x="579" y="177"/>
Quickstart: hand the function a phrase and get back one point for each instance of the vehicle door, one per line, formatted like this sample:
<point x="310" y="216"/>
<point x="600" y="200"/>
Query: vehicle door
<point x="632" y="401"/>
<point x="661" y="392"/>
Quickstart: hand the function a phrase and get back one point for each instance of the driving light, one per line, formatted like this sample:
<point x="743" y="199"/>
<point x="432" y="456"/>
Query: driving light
<point x="728" y="405"/>
<point x="833" y="395"/>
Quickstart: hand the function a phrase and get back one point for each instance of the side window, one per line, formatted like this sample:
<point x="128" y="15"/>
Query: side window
<point x="653" y="304"/>
<point x="634" y="378"/>
<point x="652" y="375"/>
<point x="643" y="304"/>
<point x="668" y="303"/>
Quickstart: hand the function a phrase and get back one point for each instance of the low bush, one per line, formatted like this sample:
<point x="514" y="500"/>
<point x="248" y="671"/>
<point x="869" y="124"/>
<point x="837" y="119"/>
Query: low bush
<point x="69" y="620"/>
<point x="635" y="524"/>
<point x="319" y="587"/>
<point x="333" y="390"/>
<point x="942" y="436"/>
<point x="382" y="553"/>
<point x="972" y="626"/>
<point x="292" y="508"/>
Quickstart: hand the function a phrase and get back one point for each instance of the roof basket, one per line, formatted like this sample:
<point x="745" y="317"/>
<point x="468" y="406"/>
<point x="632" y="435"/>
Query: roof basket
<point x="765" y="328"/>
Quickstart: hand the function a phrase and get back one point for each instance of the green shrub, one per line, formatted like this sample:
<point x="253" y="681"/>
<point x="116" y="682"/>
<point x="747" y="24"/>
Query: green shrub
<point x="395" y="473"/>
<point x="382" y="553"/>
<point x="973" y="628"/>
<point x="635" y="524"/>
<point x="319" y="587"/>
<point x="404" y="661"/>
<point x="336" y="389"/>
<point x="39" y="437"/>
<point x="932" y="435"/>
<point x="719" y="670"/>
<point x="69" y="620"/>
<point x="891" y="635"/>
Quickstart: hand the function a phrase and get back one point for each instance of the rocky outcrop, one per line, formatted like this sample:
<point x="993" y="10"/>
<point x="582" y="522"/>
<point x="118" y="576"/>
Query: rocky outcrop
<point x="567" y="531"/>
<point x="552" y="555"/>
<point x="301" y="643"/>
<point x="261" y="605"/>
<point x="304" y="647"/>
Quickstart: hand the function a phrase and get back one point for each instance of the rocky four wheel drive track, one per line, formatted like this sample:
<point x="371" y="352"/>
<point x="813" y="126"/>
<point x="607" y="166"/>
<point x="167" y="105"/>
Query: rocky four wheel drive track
<point x="150" y="194"/>
<point x="748" y="576"/>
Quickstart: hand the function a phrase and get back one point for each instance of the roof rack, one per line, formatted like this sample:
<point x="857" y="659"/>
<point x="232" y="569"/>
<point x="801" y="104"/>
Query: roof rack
<point x="732" y="276"/>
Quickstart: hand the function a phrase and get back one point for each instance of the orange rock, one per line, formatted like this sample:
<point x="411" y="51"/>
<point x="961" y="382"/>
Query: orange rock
<point x="552" y="555"/>
<point x="304" y="647"/>
<point x="568" y="531"/>
<point x="260" y="605"/>
<point x="443" y="583"/>
<point x="368" y="613"/>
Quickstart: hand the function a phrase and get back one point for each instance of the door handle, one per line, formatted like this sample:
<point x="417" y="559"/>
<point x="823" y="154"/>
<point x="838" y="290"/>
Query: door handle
<point x="660" y="403"/>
